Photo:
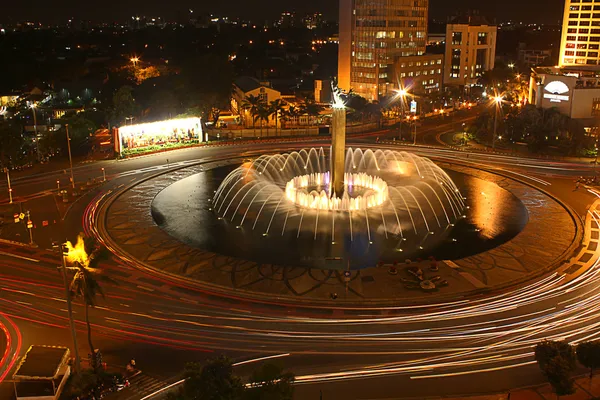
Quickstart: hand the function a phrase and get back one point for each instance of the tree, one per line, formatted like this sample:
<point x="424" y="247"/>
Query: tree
<point x="84" y="258"/>
<point x="270" y="382"/>
<point x="206" y="83"/>
<point x="251" y="104"/>
<point x="558" y="371"/>
<point x="212" y="381"/>
<point x="11" y="143"/>
<point x="557" y="360"/>
<point x="311" y="108"/>
<point x="80" y="131"/>
<point x="588" y="355"/>
<point x="263" y="114"/>
<point x="123" y="105"/>
<point x="276" y="108"/>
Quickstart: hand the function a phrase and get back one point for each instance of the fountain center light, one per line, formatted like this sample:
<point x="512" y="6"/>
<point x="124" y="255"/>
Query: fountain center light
<point x="312" y="191"/>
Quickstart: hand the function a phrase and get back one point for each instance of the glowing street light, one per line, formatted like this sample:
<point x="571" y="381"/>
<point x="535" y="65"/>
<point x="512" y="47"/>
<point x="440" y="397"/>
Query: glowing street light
<point x="134" y="60"/>
<point x="511" y="65"/>
<point x="497" y="101"/>
<point x="401" y="94"/>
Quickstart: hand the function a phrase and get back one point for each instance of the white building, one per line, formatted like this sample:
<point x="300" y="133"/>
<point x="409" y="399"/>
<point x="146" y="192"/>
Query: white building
<point x="573" y="93"/>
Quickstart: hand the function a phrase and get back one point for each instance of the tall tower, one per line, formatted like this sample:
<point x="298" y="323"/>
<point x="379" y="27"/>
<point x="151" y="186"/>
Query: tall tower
<point x="580" y="42"/>
<point x="373" y="34"/>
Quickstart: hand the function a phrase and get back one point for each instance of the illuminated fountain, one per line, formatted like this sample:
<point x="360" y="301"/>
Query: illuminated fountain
<point x="354" y="203"/>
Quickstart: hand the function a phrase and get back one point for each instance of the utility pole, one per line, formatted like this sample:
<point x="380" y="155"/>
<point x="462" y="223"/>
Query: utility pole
<point x="30" y="228"/>
<point x="70" y="309"/>
<point x="9" y="188"/>
<point x="37" y="141"/>
<point x="495" y="128"/>
<point x="70" y="159"/>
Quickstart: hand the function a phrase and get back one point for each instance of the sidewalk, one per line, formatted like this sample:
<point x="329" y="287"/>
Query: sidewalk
<point x="585" y="389"/>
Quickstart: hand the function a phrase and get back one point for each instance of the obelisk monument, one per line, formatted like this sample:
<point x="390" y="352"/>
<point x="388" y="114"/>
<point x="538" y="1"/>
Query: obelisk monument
<point x="338" y="144"/>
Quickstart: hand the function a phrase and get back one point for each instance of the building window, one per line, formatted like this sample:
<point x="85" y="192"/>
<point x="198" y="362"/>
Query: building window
<point x="482" y="38"/>
<point x="584" y="30"/>
<point x="571" y="38"/>
<point x="569" y="53"/>
<point x="570" y="45"/>
<point x="582" y="38"/>
<point x="574" y="15"/>
<point x="572" y="30"/>
<point x="593" y="54"/>
<point x="581" y="45"/>
<point x="457" y="38"/>
<point x="581" y="54"/>
<point x="596" y="107"/>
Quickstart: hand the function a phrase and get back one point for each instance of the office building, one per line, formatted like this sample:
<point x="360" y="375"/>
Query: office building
<point x="470" y="49"/>
<point x="580" y="42"/>
<point x="374" y="35"/>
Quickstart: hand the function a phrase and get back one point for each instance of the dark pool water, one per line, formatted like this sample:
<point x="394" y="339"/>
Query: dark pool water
<point x="183" y="210"/>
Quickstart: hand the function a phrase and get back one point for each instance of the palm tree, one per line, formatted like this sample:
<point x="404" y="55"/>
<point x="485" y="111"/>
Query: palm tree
<point x="276" y="109"/>
<point x="312" y="109"/>
<point x="263" y="114"/>
<point x="86" y="281"/>
<point x="293" y="113"/>
<point x="251" y="104"/>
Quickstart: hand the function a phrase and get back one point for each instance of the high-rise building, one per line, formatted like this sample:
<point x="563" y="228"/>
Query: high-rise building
<point x="374" y="34"/>
<point x="580" y="41"/>
<point x="470" y="49"/>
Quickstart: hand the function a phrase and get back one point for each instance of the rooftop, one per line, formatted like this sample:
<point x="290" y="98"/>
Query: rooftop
<point x="247" y="83"/>
<point x="473" y="20"/>
<point x="41" y="362"/>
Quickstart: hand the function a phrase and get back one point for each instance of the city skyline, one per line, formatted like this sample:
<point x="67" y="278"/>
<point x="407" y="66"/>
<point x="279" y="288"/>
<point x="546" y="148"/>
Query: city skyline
<point x="44" y="12"/>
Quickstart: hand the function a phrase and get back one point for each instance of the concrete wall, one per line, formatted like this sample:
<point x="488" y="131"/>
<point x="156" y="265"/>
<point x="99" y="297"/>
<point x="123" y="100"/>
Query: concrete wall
<point x="583" y="102"/>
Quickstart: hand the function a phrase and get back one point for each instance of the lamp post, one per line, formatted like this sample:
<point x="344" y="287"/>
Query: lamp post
<point x="103" y="175"/>
<point x="63" y="253"/>
<point x="134" y="60"/>
<point x="402" y="95"/>
<point x="8" y="181"/>
<point x="35" y="132"/>
<point x="70" y="158"/>
<point x="415" y="129"/>
<point x="497" y="102"/>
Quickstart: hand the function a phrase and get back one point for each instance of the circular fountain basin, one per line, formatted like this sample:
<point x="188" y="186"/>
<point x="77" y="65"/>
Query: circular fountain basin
<point x="247" y="212"/>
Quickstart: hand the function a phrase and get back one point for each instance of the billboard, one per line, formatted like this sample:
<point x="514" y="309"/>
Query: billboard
<point x="161" y="134"/>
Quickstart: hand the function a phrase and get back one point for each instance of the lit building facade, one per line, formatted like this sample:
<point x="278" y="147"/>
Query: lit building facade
<point x="470" y="50"/>
<point x="374" y="34"/>
<point x="580" y="42"/>
<point x="575" y="93"/>
<point x="420" y="74"/>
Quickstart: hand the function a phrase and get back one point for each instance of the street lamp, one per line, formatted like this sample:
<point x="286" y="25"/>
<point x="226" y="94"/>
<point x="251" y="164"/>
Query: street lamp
<point x="497" y="101"/>
<point x="415" y="129"/>
<point x="37" y="142"/>
<point x="134" y="60"/>
<point x="511" y="65"/>
<point x="401" y="93"/>
<point x="63" y="248"/>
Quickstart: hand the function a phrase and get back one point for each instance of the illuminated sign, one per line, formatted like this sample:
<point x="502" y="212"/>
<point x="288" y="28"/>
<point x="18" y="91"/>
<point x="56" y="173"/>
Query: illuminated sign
<point x="161" y="133"/>
<point x="556" y="92"/>
<point x="413" y="106"/>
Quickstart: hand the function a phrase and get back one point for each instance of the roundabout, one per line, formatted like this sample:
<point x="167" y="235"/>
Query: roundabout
<point x="179" y="224"/>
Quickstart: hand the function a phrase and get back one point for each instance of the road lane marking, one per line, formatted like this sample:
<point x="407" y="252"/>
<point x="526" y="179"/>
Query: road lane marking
<point x="18" y="256"/>
<point x="260" y="359"/>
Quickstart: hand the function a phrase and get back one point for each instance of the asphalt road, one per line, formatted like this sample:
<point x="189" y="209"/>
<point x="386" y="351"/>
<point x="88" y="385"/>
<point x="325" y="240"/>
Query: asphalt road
<point x="474" y="346"/>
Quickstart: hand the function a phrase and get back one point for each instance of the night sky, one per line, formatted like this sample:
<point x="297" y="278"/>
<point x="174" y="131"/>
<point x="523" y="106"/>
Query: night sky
<point x="547" y="11"/>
